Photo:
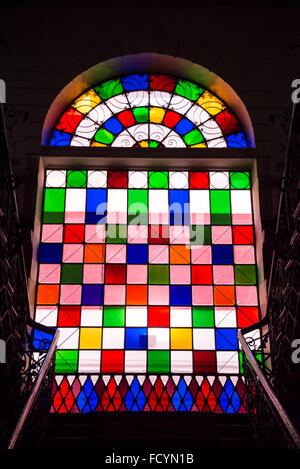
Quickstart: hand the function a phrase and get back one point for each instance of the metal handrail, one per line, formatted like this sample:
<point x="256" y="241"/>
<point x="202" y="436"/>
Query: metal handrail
<point x="33" y="395"/>
<point x="267" y="388"/>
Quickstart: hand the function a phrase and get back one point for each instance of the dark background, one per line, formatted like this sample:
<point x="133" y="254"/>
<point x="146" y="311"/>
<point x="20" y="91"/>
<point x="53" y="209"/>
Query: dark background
<point x="254" y="47"/>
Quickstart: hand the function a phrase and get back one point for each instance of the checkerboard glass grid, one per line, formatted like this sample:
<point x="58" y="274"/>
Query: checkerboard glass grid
<point x="147" y="271"/>
<point x="148" y="110"/>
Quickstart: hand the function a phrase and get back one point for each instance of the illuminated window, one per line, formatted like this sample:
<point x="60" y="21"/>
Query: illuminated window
<point x="148" y="274"/>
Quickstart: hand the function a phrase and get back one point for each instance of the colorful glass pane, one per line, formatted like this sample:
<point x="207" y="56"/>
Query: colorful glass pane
<point x="175" y="112"/>
<point x="147" y="272"/>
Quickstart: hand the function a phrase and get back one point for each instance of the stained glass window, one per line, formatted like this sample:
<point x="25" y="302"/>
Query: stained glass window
<point x="148" y="110"/>
<point x="147" y="274"/>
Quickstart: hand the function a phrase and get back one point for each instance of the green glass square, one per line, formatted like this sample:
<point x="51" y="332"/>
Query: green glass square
<point x="76" y="179"/>
<point x="200" y="234"/>
<point x="193" y="137"/>
<point x="158" y="274"/>
<point x="188" y="89"/>
<point x="159" y="361"/>
<point x="141" y="114"/>
<point x="245" y="274"/>
<point x="109" y="88"/>
<point x="54" y="206"/>
<point x="104" y="136"/>
<point x="158" y="180"/>
<point x="239" y="180"/>
<point x="71" y="273"/>
<point x="258" y="356"/>
<point x="138" y="206"/>
<point x="220" y="207"/>
<point x="203" y="316"/>
<point x="153" y="144"/>
<point x="66" y="361"/>
<point x="114" y="316"/>
<point x="116" y="234"/>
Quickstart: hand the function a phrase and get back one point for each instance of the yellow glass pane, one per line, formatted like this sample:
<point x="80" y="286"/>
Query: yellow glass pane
<point x="90" y="338"/>
<point x="199" y="145"/>
<point x="157" y="114"/>
<point x="211" y="103"/>
<point x="181" y="339"/>
<point x="144" y="144"/>
<point x="97" y="144"/>
<point x="87" y="101"/>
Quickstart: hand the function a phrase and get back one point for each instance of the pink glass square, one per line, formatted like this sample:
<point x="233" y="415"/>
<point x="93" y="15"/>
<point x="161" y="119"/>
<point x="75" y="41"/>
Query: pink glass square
<point x="202" y="295"/>
<point x="243" y="254"/>
<point x="158" y="218"/>
<point x="114" y="294"/>
<point x="49" y="273"/>
<point x="52" y="233"/>
<point x="137" y="234"/>
<point x="179" y="234"/>
<point x="95" y="234"/>
<point x="201" y="254"/>
<point x="93" y="273"/>
<point x="158" y="254"/>
<point x="221" y="235"/>
<point x="73" y="253"/>
<point x="241" y="218"/>
<point x="223" y="274"/>
<point x="137" y="274"/>
<point x="70" y="294"/>
<point x="158" y="295"/>
<point x="246" y="295"/>
<point x="180" y="274"/>
<point x="116" y="253"/>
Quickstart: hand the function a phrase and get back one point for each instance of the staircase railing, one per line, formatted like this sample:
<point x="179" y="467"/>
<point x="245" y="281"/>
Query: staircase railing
<point x="274" y="379"/>
<point x="26" y="342"/>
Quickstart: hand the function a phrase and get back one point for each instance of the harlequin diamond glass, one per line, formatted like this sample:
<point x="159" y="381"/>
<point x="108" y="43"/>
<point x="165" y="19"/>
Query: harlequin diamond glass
<point x="148" y="275"/>
<point x="148" y="110"/>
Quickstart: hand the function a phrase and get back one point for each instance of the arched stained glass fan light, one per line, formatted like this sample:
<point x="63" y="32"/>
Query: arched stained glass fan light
<point x="148" y="110"/>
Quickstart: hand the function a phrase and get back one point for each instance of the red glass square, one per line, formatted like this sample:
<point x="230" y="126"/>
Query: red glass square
<point x="74" y="234"/>
<point x="69" y="120"/>
<point x="247" y="315"/>
<point x="171" y="118"/>
<point x="228" y="123"/>
<point x="68" y="316"/>
<point x="115" y="273"/>
<point x="112" y="361"/>
<point x="158" y="234"/>
<point x="242" y="235"/>
<point x="126" y="118"/>
<point x="162" y="82"/>
<point x="202" y="275"/>
<point x="117" y="179"/>
<point x="199" y="180"/>
<point x="205" y="362"/>
<point x="158" y="316"/>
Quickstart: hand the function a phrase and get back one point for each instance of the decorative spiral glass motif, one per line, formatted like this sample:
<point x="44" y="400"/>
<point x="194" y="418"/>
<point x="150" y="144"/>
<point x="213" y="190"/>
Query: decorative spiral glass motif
<point x="148" y="110"/>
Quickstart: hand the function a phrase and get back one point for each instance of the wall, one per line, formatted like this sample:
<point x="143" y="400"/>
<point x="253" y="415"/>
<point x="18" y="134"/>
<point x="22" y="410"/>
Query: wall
<point x="255" y="48"/>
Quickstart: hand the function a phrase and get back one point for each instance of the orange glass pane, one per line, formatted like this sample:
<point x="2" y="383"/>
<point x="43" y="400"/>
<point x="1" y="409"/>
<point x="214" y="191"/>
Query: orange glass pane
<point x="47" y="294"/>
<point x="94" y="253"/>
<point x="179" y="254"/>
<point x="136" y="295"/>
<point x="224" y="295"/>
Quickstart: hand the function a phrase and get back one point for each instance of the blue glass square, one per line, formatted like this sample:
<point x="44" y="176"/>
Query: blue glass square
<point x="92" y="295"/>
<point x="41" y="340"/>
<point x="60" y="138"/>
<point x="137" y="253"/>
<point x="226" y="339"/>
<point x="222" y="254"/>
<point x="135" y="82"/>
<point x="51" y="253"/>
<point x="184" y="126"/>
<point x="113" y="125"/>
<point x="96" y="206"/>
<point x="180" y="295"/>
<point x="237" y="141"/>
<point x="136" y="338"/>
<point x="179" y="207"/>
